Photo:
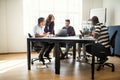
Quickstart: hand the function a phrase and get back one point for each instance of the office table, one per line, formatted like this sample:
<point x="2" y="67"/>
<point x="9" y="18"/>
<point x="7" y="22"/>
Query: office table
<point x="57" y="40"/>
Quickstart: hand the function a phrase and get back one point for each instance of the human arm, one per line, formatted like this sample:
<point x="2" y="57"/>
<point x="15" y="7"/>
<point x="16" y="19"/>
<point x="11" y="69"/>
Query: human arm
<point x="72" y="32"/>
<point x="46" y="28"/>
<point x="96" y="32"/>
<point x="41" y="35"/>
<point x="51" y="28"/>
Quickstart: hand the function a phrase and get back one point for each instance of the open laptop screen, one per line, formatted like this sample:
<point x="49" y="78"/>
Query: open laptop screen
<point x="62" y="33"/>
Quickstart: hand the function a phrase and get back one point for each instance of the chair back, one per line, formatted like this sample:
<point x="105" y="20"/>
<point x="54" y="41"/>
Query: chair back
<point x="30" y="35"/>
<point x="34" y="45"/>
<point x="112" y="42"/>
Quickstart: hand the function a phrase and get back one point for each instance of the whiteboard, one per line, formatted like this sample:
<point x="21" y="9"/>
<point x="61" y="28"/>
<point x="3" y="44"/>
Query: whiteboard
<point x="100" y="13"/>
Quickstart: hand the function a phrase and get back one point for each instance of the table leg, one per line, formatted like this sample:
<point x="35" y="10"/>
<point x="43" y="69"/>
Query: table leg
<point x="74" y="51"/>
<point x="84" y="51"/>
<point x="93" y="66"/>
<point x="28" y="55"/>
<point x="57" y="58"/>
<point x="79" y="49"/>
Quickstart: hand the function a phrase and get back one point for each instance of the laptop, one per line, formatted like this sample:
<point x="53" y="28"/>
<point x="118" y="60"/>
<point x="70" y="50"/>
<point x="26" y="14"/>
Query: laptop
<point x="62" y="33"/>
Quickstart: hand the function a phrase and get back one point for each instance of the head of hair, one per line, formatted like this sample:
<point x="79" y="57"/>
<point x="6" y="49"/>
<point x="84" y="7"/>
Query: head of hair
<point x="49" y="18"/>
<point x="41" y="19"/>
<point x="95" y="20"/>
<point x="67" y="20"/>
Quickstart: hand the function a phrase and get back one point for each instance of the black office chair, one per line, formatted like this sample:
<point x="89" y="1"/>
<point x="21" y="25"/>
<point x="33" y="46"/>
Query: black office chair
<point x="36" y="48"/>
<point x="112" y="43"/>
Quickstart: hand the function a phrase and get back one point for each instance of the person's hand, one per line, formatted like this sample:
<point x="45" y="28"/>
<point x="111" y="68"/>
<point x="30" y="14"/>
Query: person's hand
<point x="46" y="34"/>
<point x="37" y="35"/>
<point x="93" y="33"/>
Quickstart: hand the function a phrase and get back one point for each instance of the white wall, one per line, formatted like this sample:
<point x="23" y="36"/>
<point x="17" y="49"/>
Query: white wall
<point x="88" y="5"/>
<point x="3" y="28"/>
<point x="11" y="29"/>
<point x="113" y="11"/>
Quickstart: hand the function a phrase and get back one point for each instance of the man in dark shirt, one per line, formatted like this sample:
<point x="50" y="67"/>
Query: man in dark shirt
<point x="70" y="29"/>
<point x="70" y="32"/>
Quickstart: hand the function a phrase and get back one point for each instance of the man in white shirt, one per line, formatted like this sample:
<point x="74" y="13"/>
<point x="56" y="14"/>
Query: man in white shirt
<point x="39" y="29"/>
<point x="39" y="32"/>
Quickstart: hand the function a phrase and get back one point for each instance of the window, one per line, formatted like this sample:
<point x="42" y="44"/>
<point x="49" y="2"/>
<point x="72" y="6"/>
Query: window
<point x="61" y="9"/>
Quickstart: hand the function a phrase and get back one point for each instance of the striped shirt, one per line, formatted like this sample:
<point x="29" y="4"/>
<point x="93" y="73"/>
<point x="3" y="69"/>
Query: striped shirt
<point x="102" y="35"/>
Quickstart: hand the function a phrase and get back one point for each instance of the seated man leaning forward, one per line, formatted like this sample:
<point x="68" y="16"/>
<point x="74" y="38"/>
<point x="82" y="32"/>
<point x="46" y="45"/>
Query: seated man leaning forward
<point x="102" y="44"/>
<point x="39" y="32"/>
<point x="70" y="32"/>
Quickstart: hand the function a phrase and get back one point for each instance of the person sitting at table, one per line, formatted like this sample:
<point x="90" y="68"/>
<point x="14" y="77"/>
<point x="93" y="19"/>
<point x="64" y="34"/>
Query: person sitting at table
<point x="39" y="32"/>
<point x="70" y="32"/>
<point x="102" y="40"/>
<point x="86" y="31"/>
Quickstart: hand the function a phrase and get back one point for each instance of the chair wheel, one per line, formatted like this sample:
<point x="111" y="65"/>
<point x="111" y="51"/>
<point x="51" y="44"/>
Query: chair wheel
<point x="43" y="63"/>
<point x="113" y="68"/>
<point x="46" y="66"/>
<point x="102" y="66"/>
<point x="98" y="68"/>
<point x="32" y="62"/>
<point x="49" y="60"/>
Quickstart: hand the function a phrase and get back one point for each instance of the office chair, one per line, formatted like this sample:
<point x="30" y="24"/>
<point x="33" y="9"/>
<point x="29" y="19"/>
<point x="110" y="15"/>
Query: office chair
<point x="37" y="49"/>
<point x="112" y="43"/>
<point x="34" y="48"/>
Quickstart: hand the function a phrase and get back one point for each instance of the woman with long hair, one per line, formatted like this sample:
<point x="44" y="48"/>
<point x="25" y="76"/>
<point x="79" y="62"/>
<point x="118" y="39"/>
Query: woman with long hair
<point x="49" y="27"/>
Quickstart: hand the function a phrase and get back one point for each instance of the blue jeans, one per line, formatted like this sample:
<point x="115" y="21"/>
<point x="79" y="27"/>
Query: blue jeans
<point x="68" y="46"/>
